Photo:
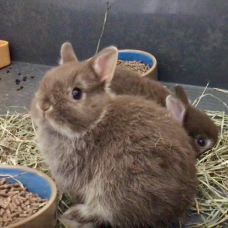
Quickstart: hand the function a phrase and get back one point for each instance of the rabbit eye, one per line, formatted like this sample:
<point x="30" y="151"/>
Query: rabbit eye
<point x="201" y="142"/>
<point x="77" y="94"/>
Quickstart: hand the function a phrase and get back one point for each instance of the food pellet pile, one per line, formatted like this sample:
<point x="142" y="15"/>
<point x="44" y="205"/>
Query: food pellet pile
<point x="16" y="203"/>
<point x="134" y="65"/>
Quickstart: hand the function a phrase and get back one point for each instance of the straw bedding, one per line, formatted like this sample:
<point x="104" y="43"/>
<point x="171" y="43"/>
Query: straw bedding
<point x="18" y="147"/>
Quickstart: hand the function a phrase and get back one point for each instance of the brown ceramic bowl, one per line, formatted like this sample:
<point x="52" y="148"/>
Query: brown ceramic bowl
<point x="4" y="53"/>
<point x="140" y="56"/>
<point x="38" y="183"/>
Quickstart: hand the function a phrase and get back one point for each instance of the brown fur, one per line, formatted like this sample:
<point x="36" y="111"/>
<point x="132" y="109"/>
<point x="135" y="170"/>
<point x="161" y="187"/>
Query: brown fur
<point x="131" y="163"/>
<point x="196" y="123"/>
<point x="130" y="83"/>
<point x="200" y="128"/>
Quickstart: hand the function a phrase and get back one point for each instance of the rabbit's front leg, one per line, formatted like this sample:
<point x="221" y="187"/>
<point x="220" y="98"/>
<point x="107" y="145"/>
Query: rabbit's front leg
<point x="79" y="216"/>
<point x="73" y="224"/>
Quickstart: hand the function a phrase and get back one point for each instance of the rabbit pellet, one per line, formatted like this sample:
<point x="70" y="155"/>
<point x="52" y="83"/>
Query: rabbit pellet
<point x="134" y="65"/>
<point x="16" y="203"/>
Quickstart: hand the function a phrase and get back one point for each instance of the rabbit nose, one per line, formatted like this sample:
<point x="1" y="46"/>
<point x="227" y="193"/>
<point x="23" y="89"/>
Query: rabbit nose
<point x="44" y="107"/>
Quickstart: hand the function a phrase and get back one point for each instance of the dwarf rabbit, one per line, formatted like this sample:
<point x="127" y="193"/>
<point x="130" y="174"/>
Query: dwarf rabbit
<point x="197" y="124"/>
<point x="125" y="157"/>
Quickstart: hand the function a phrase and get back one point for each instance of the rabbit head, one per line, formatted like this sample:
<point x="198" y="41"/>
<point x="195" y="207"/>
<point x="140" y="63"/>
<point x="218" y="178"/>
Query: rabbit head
<point x="72" y="97"/>
<point x="198" y="124"/>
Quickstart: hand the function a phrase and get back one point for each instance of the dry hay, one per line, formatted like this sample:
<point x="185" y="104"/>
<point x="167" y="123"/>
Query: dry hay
<point x="18" y="147"/>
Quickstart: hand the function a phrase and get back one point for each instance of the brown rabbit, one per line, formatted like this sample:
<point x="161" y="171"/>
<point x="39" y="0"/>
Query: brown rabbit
<point x="124" y="156"/>
<point x="197" y="124"/>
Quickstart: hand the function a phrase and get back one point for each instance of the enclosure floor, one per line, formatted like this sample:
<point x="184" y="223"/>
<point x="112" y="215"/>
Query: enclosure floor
<point x="14" y="100"/>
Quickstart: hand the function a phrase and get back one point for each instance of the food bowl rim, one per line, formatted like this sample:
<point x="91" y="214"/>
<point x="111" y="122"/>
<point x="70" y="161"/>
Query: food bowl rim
<point x="145" y="53"/>
<point x="3" y="43"/>
<point x="50" y="201"/>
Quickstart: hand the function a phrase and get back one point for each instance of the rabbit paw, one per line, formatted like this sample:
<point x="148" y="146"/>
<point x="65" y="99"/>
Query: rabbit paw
<point x="76" y="217"/>
<point x="74" y="213"/>
<point x="74" y="224"/>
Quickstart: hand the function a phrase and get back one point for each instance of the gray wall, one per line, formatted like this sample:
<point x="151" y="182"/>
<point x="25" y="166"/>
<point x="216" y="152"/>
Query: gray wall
<point x="189" y="38"/>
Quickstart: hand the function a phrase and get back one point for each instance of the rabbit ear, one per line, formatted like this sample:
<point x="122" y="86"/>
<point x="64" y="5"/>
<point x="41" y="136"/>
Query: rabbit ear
<point x="67" y="53"/>
<point x="176" y="108"/>
<point x="181" y="94"/>
<point x="104" y="63"/>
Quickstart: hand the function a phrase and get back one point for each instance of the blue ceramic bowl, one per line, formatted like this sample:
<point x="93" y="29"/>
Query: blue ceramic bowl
<point x="140" y="56"/>
<point x="37" y="183"/>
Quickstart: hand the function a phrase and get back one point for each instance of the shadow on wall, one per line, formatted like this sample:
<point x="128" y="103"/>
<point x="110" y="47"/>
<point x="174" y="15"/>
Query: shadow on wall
<point x="36" y="31"/>
<point x="188" y="39"/>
